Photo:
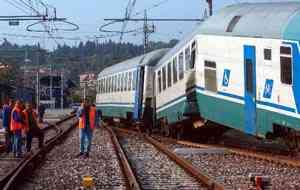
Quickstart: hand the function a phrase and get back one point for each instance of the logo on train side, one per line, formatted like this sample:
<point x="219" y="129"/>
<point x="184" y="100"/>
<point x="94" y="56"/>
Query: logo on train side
<point x="226" y="77"/>
<point x="268" y="88"/>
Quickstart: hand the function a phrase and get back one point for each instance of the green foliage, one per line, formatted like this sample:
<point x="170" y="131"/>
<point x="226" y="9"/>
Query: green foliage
<point x="75" y="60"/>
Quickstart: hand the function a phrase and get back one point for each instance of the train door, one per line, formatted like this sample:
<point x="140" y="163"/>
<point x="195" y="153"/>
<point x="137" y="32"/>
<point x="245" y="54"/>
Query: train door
<point x="139" y="96"/>
<point x="250" y="89"/>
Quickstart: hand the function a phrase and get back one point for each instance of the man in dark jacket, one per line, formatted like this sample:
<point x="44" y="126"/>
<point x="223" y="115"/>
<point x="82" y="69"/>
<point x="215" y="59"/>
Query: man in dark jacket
<point x="6" y="116"/>
<point x="31" y="128"/>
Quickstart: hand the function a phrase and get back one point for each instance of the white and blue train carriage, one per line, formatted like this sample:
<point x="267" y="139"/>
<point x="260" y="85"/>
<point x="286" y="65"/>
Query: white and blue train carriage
<point x="124" y="87"/>
<point x="239" y="68"/>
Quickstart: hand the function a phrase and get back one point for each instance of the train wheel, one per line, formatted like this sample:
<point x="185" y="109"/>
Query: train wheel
<point x="179" y="132"/>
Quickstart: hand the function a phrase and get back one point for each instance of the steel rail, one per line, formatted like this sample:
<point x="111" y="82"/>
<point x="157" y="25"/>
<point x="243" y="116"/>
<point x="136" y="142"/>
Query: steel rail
<point x="132" y="181"/>
<point x="282" y="160"/>
<point x="246" y="153"/>
<point x="183" y="163"/>
<point x="7" y="182"/>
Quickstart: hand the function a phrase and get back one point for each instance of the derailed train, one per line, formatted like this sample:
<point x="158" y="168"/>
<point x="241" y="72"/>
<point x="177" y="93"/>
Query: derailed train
<point x="239" y="68"/>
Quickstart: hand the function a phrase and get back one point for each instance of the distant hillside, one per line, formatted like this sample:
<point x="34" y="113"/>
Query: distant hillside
<point x="86" y="57"/>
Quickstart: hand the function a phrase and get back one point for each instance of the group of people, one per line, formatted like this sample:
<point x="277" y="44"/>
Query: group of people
<point x="20" y="120"/>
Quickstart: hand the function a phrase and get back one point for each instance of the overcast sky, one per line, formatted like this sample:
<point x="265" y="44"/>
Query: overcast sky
<point x="89" y="15"/>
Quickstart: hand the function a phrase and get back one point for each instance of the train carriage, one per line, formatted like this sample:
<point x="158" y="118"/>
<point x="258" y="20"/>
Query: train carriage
<point x="239" y="68"/>
<point x="245" y="73"/>
<point x="123" y="88"/>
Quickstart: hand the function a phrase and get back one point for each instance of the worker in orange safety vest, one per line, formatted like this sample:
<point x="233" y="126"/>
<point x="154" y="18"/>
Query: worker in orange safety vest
<point x="87" y="121"/>
<point x="16" y="126"/>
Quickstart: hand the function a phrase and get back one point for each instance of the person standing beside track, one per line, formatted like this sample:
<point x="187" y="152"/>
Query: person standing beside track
<point x="16" y="127"/>
<point x="87" y="122"/>
<point x="6" y="115"/>
<point x="31" y="128"/>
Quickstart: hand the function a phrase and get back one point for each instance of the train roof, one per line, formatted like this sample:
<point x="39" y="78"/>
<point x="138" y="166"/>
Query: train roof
<point x="279" y="20"/>
<point x="264" y="20"/>
<point x="150" y="59"/>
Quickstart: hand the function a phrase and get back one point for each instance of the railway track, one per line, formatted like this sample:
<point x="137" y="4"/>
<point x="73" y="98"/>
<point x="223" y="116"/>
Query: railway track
<point x="157" y="168"/>
<point x="61" y="169"/>
<point x="12" y="167"/>
<point x="237" y="165"/>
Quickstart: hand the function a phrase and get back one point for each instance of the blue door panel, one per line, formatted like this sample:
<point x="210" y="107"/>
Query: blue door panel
<point x="138" y="102"/>
<point x="250" y="89"/>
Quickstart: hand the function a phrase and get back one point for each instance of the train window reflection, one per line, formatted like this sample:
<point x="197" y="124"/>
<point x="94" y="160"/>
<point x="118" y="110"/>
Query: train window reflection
<point x="193" y="56"/>
<point x="169" y="74"/>
<point x="164" y="78"/>
<point x="134" y="80"/>
<point x="175" y="70"/>
<point x="187" y="58"/>
<point x="181" y="69"/>
<point x="159" y="81"/>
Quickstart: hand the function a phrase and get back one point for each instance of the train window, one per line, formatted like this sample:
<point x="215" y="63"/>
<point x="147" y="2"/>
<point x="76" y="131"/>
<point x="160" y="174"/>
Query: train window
<point x="286" y="65"/>
<point x="175" y="70"/>
<point x="268" y="54"/>
<point x="249" y="76"/>
<point x="233" y="23"/>
<point x="210" y="75"/>
<point x="285" y="50"/>
<point x="181" y="66"/>
<point x="116" y="83"/>
<point x="187" y="58"/>
<point x="130" y="81"/>
<point x="210" y="64"/>
<point x="110" y="84"/>
<point x="164" y="78"/>
<point x="101" y="86"/>
<point x="120" y="83"/>
<point x="125" y="81"/>
<point x="286" y="70"/>
<point x="104" y="86"/>
<point x="159" y="81"/>
<point x="134" y="80"/>
<point x="193" y="55"/>
<point x="169" y="74"/>
<point x="107" y="85"/>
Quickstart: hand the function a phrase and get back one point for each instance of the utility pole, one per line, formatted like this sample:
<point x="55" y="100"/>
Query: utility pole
<point x="147" y="30"/>
<point x="38" y="79"/>
<point x="62" y="89"/>
<point x="210" y="7"/>
<point x="51" y="84"/>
